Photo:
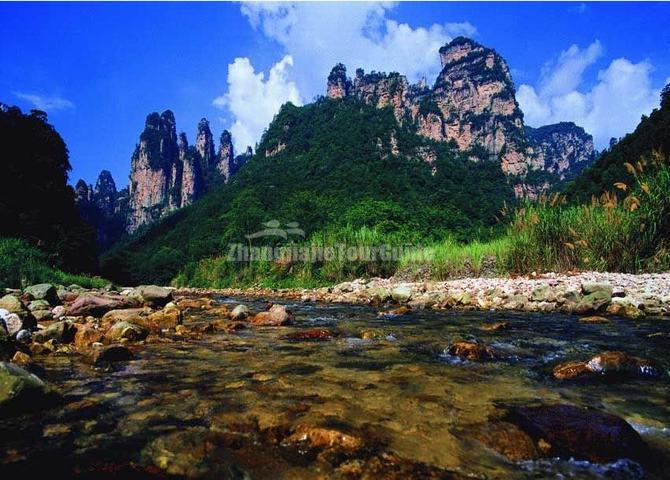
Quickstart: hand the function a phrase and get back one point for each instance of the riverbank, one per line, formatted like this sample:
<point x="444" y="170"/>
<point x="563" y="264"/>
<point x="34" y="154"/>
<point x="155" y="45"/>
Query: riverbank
<point x="627" y="295"/>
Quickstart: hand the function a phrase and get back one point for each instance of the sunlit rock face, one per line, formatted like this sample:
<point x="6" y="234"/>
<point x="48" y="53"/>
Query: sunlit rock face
<point x="562" y="148"/>
<point x="473" y="105"/>
<point x="167" y="173"/>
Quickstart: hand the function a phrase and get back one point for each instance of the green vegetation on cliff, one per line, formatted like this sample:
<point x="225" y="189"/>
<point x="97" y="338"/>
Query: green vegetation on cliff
<point x="341" y="169"/>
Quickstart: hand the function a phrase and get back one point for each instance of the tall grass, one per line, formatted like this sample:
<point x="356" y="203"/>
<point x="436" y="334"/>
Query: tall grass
<point x="21" y="264"/>
<point x="627" y="231"/>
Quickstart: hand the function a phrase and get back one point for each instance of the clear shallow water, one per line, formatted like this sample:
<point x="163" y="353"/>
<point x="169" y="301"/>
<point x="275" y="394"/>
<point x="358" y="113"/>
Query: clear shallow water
<point x="223" y="406"/>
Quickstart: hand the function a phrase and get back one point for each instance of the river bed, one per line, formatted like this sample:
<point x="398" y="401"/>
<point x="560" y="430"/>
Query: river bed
<point x="228" y="405"/>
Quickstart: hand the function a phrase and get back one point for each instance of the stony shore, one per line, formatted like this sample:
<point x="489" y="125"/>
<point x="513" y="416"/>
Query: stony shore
<point x="583" y="293"/>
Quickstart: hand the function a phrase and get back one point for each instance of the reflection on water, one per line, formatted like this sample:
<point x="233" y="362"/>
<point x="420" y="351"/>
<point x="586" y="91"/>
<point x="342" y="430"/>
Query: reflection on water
<point x="233" y="405"/>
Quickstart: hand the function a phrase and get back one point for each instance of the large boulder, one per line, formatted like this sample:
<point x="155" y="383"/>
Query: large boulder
<point x="39" y="305"/>
<point x="87" y="334"/>
<point x="43" y="291"/>
<point x="567" y="431"/>
<point x="98" y="305"/>
<point x="593" y="287"/>
<point x="277" y="315"/>
<point x="21" y="391"/>
<point x="12" y="304"/>
<point x="60" y="332"/>
<point x="152" y="295"/>
<point x="126" y="331"/>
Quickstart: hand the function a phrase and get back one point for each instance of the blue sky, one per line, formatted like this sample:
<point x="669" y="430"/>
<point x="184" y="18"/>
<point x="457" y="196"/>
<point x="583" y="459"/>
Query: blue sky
<point x="99" y="69"/>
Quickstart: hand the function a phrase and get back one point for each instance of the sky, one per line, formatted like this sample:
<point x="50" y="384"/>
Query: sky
<point x="99" y="69"/>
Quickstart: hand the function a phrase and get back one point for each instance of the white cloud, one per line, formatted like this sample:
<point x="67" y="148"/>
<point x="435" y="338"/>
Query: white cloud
<point x="612" y="107"/>
<point x="253" y="100"/>
<point x="319" y="35"/>
<point x="316" y="36"/>
<point x="48" y="103"/>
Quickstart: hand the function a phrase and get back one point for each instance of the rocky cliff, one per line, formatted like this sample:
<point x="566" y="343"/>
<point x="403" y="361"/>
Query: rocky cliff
<point x="562" y="148"/>
<point x="471" y="104"/>
<point x="166" y="174"/>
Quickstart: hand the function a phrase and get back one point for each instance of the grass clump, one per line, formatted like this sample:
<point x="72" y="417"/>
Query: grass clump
<point x="615" y="232"/>
<point x="21" y="265"/>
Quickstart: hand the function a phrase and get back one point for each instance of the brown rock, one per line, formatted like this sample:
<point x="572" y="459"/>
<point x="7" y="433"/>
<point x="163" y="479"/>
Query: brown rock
<point x="97" y="306"/>
<point x="21" y="358"/>
<point x="126" y="331"/>
<point x="132" y="315"/>
<point x="402" y="310"/>
<point x="87" y="334"/>
<point x="470" y="351"/>
<point x="509" y="440"/>
<point x="319" y="438"/>
<point x="194" y="303"/>
<point x="311" y="334"/>
<point x="493" y="327"/>
<point x="112" y="353"/>
<point x="277" y="315"/>
<point x="567" y="431"/>
<point x="610" y="365"/>
<point x="594" y="319"/>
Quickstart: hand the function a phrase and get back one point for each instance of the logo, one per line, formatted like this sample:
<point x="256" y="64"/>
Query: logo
<point x="272" y="230"/>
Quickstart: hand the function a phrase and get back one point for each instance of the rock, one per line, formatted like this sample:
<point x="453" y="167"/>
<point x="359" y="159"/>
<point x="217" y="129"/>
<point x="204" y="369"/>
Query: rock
<point x="592" y="302"/>
<point x="566" y="431"/>
<point x="187" y="453"/>
<point x="21" y="391"/>
<point x="494" y="327"/>
<point x="24" y="337"/>
<point x="39" y="305"/>
<point x="509" y="440"/>
<point x="401" y="294"/>
<point x="112" y="353"/>
<point x="42" y="315"/>
<point x="153" y="295"/>
<point x="311" y="334"/>
<point x="595" y="287"/>
<point x="13" y="324"/>
<point x="58" y="312"/>
<point x="169" y="317"/>
<point x="543" y="293"/>
<point x="277" y="315"/>
<point x="240" y="312"/>
<point x="96" y="306"/>
<point x="319" y="438"/>
<point x="132" y="315"/>
<point x="624" y="310"/>
<point x="87" y="334"/>
<point x="195" y="303"/>
<point x="594" y="319"/>
<point x="402" y="310"/>
<point x="126" y="330"/>
<point x="470" y="351"/>
<point x="43" y="291"/>
<point x="571" y="370"/>
<point x="60" y="332"/>
<point x="12" y="304"/>
<point x="378" y="295"/>
<point x="610" y="365"/>
<point x="21" y="358"/>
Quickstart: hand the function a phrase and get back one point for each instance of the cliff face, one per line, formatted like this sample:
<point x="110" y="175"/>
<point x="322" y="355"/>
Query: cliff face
<point x="472" y="104"/>
<point x="165" y="174"/>
<point x="562" y="148"/>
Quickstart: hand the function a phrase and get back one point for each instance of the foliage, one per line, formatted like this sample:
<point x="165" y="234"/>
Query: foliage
<point x="630" y="233"/>
<point x="35" y="201"/>
<point x="653" y="133"/>
<point x="21" y="264"/>
<point x="346" y="167"/>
